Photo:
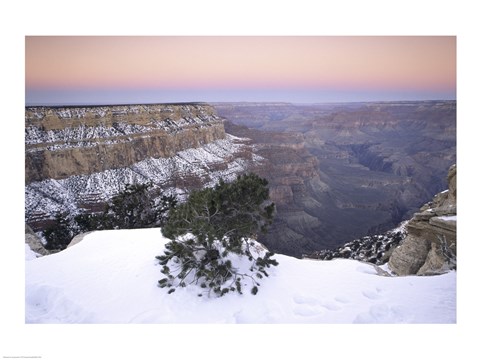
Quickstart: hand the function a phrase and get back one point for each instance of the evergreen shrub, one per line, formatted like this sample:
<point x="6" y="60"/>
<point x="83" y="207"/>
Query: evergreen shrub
<point x="212" y="236"/>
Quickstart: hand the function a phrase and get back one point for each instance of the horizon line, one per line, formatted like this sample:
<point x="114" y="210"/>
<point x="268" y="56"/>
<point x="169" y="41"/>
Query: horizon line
<point x="80" y="104"/>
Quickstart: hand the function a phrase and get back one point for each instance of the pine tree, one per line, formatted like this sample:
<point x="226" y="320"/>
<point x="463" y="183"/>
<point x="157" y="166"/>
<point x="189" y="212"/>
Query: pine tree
<point x="132" y="208"/>
<point x="209" y="227"/>
<point x="135" y="207"/>
<point x="58" y="235"/>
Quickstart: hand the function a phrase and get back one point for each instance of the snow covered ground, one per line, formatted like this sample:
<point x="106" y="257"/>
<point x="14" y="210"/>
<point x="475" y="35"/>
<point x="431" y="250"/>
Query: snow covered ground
<point x="111" y="277"/>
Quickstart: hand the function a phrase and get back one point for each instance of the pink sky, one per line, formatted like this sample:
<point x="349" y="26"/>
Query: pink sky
<point x="139" y="69"/>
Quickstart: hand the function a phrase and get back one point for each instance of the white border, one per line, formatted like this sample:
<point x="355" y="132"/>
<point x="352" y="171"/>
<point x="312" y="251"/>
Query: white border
<point x="235" y="18"/>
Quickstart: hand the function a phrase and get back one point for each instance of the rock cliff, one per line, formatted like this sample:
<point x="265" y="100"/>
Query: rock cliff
<point x="67" y="141"/>
<point x="430" y="246"/>
<point x="77" y="158"/>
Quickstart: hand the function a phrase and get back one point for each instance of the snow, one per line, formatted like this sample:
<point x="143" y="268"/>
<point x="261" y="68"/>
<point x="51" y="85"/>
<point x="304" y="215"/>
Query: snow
<point x="448" y="218"/>
<point x="111" y="277"/>
<point x="30" y="254"/>
<point x="63" y="195"/>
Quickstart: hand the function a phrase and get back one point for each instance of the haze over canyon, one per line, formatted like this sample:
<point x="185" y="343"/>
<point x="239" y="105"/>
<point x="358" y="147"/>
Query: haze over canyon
<point x="336" y="171"/>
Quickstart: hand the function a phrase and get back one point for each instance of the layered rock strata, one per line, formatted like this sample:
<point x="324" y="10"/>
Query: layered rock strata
<point x="431" y="243"/>
<point x="77" y="158"/>
<point x="66" y="141"/>
<point x="179" y="174"/>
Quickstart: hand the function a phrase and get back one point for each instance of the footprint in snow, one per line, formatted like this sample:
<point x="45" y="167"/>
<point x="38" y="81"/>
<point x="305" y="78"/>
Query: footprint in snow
<point x="49" y="304"/>
<point x="342" y="299"/>
<point x="300" y="299"/>
<point x="306" y="311"/>
<point x="309" y="306"/>
<point x="331" y="306"/>
<point x="373" y="294"/>
<point x="383" y="314"/>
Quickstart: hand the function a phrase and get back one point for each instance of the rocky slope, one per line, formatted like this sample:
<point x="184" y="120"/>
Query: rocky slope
<point x="375" y="249"/>
<point x="66" y="141"/>
<point x="79" y="157"/>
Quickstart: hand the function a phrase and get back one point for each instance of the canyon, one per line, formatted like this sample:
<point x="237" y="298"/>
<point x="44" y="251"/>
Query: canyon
<point x="336" y="171"/>
<point x="65" y="141"/>
<point x="77" y="158"/>
<point x="342" y="171"/>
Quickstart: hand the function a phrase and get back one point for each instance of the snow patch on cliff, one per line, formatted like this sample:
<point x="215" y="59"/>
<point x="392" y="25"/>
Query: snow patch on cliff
<point x="209" y="163"/>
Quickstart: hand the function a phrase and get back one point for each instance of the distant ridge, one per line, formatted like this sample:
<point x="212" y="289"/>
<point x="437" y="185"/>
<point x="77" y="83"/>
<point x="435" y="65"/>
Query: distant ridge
<point x="109" y="105"/>
<point x="239" y="103"/>
<point x="328" y="103"/>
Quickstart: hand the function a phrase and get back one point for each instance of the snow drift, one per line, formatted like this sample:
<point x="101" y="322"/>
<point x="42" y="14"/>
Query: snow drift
<point x="111" y="277"/>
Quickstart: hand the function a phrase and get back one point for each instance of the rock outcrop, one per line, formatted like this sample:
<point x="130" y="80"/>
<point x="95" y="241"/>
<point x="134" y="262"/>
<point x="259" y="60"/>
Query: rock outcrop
<point x="67" y="141"/>
<point x="430" y="246"/>
<point x="34" y="242"/>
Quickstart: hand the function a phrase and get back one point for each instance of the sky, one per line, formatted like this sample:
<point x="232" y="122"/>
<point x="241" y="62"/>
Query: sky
<point x="298" y="69"/>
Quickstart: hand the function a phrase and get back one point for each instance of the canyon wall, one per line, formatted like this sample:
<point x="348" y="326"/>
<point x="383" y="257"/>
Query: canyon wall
<point x="66" y="141"/>
<point x="339" y="172"/>
<point x="77" y="158"/>
<point x="430" y="247"/>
